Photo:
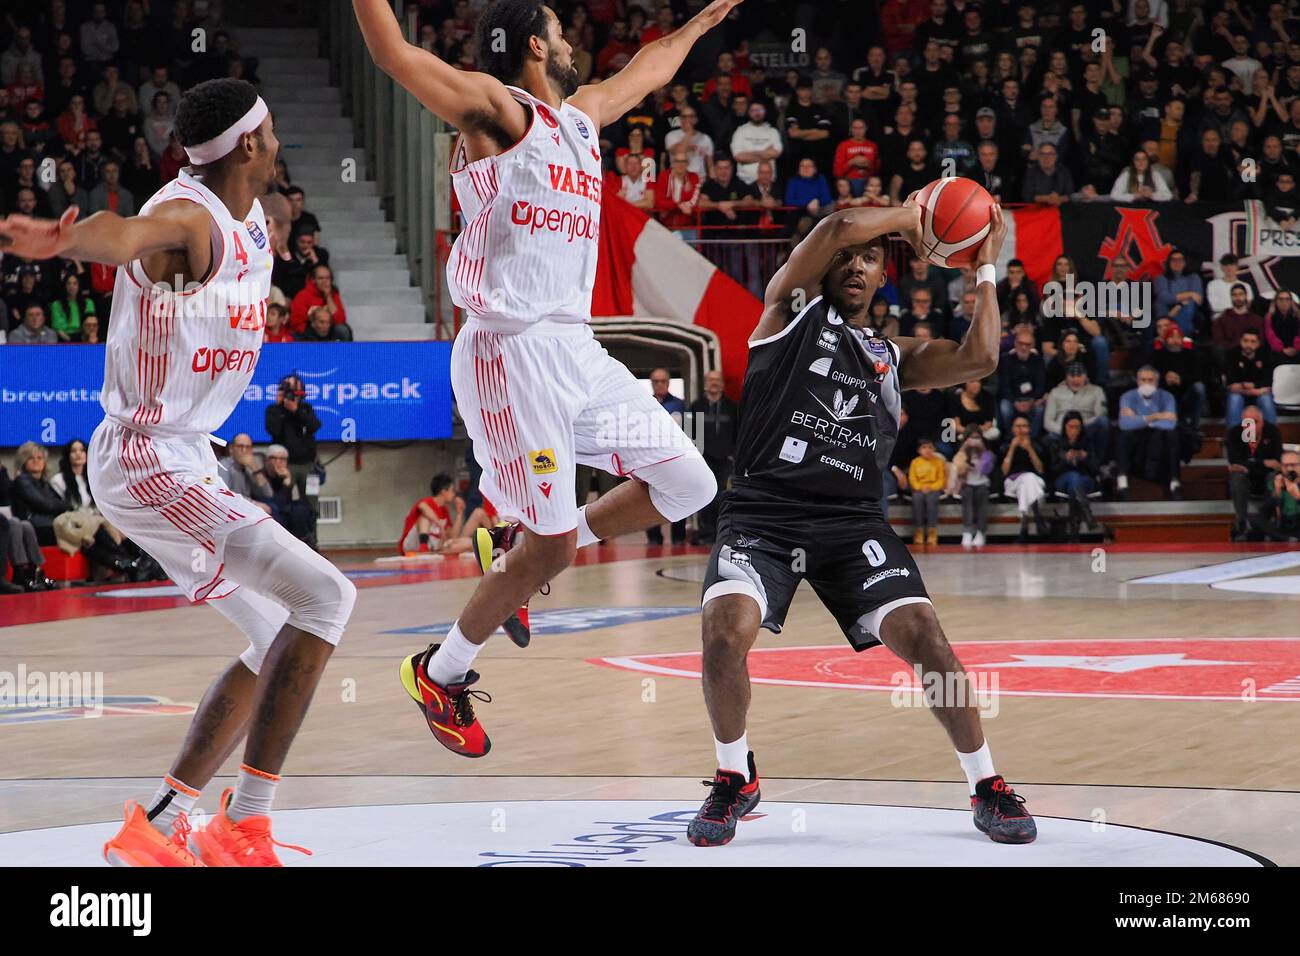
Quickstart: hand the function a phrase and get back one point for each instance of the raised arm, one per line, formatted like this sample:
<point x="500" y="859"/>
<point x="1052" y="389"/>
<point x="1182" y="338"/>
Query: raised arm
<point x="939" y="363"/>
<point x="652" y="67"/>
<point x="470" y="101"/>
<point x="172" y="227"/>
<point x="799" y="281"/>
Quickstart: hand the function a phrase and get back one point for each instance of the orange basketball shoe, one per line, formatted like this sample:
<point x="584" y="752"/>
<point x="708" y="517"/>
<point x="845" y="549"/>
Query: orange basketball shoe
<point x="223" y="842"/>
<point x="449" y="710"/>
<point x="140" y="843"/>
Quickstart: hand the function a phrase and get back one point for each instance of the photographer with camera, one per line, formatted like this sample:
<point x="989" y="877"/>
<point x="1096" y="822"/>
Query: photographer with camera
<point x="1284" y="515"/>
<point x="292" y="422"/>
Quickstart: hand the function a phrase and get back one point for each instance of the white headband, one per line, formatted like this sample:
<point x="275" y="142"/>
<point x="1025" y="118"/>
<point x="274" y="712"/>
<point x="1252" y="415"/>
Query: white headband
<point x="219" y="146"/>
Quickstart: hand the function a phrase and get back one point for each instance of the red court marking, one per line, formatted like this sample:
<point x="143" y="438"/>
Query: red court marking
<point x="1141" y="669"/>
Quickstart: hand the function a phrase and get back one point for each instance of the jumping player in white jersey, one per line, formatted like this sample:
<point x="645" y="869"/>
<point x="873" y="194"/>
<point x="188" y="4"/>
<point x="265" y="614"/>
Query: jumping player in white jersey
<point x="536" y="390"/>
<point x="189" y="305"/>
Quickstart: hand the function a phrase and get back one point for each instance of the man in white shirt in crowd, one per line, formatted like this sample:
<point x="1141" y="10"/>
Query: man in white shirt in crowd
<point x="754" y="142"/>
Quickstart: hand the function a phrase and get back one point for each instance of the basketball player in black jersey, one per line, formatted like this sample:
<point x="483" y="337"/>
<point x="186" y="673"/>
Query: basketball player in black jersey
<point x="819" y="419"/>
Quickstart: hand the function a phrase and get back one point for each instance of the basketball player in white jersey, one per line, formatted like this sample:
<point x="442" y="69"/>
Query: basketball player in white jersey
<point x="536" y="390"/>
<point x="189" y="304"/>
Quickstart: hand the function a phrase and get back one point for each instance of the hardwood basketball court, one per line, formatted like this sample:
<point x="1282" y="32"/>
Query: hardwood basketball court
<point x="1145" y="721"/>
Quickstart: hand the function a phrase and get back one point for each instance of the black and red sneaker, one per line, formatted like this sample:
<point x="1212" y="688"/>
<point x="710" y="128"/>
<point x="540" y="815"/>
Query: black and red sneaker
<point x="490" y="544"/>
<point x="1000" y="812"/>
<point x="449" y="711"/>
<point x="731" y="796"/>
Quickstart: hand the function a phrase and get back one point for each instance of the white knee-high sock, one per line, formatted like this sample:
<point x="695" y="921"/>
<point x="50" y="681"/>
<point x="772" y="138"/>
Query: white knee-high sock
<point x="172" y="798"/>
<point x="452" y="660"/>
<point x="585" y="535"/>
<point x="977" y="766"/>
<point x="254" y="793"/>
<point x="734" y="756"/>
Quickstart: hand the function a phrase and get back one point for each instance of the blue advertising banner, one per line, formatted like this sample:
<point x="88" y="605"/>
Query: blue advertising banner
<point x="361" y="391"/>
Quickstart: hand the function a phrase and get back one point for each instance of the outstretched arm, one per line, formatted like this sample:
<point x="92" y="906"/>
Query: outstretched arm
<point x="939" y="363"/>
<point x="799" y="281"/>
<point x="172" y="227"/>
<point x="652" y="67"/>
<point x="470" y="101"/>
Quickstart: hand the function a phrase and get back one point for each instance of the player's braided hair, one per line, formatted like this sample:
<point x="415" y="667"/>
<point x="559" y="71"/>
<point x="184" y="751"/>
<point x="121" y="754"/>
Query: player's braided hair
<point x="504" y="30"/>
<point x="211" y="108"/>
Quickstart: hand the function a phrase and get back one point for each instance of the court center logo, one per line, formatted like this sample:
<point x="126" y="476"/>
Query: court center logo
<point x="1245" y="671"/>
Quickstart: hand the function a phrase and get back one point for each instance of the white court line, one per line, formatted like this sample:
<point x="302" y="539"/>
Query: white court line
<point x="1241" y="568"/>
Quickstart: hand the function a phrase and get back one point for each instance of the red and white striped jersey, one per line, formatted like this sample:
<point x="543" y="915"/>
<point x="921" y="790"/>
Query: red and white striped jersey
<point x="177" y="363"/>
<point x="532" y="222"/>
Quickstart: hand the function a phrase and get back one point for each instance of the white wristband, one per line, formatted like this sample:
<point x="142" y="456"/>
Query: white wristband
<point x="986" y="273"/>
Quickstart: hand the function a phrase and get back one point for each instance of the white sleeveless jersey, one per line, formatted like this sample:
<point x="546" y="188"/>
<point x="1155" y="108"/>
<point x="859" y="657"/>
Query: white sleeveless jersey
<point x="178" y="363"/>
<point x="532" y="222"/>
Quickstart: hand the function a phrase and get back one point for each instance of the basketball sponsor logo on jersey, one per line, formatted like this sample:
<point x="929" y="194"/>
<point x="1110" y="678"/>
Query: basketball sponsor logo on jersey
<point x="857" y="471"/>
<point x="830" y="431"/>
<point x="821" y="366"/>
<point x="571" y="222"/>
<point x="793" y="449"/>
<point x="883" y="575"/>
<point x="216" y="362"/>
<point x="259" y="237"/>
<point x="582" y="128"/>
<point x="543" y="462"/>
<point x="829" y="340"/>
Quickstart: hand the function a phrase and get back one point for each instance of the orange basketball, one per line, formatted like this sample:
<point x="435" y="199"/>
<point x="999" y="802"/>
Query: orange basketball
<point x="954" y="221"/>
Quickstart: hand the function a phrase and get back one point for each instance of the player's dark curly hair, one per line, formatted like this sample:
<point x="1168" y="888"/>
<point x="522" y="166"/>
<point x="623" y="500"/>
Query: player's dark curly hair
<point x="518" y="21"/>
<point x="211" y="108"/>
<point x="441" y="481"/>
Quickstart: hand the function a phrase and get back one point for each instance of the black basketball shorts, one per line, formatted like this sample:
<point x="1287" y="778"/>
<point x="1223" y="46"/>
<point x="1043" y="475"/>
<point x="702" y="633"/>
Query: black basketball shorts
<point x="768" y="542"/>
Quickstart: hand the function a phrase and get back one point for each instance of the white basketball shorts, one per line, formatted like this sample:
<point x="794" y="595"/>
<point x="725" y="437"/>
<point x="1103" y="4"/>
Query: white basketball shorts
<point x="539" y="402"/>
<point x="167" y="497"/>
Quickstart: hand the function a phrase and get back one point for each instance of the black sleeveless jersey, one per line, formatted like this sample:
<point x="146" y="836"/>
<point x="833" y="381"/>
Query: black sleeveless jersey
<point x="820" y="407"/>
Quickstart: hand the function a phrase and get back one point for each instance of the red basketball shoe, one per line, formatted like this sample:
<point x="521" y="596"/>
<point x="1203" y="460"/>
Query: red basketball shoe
<point x="448" y="710"/>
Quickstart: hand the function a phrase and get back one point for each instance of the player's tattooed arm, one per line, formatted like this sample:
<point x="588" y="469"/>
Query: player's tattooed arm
<point x="939" y="363"/>
<point x="477" y="104"/>
<point x="653" y="66"/>
<point x="176" y="236"/>
<point x="799" y="281"/>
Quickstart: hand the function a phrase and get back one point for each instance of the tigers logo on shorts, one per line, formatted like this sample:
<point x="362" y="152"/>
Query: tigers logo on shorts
<point x="543" y="462"/>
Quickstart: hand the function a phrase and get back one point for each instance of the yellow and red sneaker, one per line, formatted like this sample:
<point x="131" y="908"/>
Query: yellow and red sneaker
<point x="449" y="711"/>
<point x="223" y="842"/>
<point x="140" y="843"/>
<point x="489" y="544"/>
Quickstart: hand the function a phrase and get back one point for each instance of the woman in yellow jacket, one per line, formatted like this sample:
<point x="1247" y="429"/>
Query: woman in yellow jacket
<point x="927" y="476"/>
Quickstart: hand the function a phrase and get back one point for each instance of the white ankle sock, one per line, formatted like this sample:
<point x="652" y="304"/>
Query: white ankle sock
<point x="977" y="766"/>
<point x="253" y="793"/>
<point x="171" y="800"/>
<point x="585" y="535"/>
<point x="451" y="662"/>
<point x="734" y="756"/>
<point x="1121" y="482"/>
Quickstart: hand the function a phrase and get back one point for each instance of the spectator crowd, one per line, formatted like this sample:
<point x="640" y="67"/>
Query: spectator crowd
<point x="88" y="98"/>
